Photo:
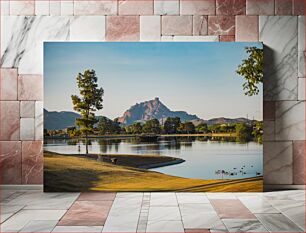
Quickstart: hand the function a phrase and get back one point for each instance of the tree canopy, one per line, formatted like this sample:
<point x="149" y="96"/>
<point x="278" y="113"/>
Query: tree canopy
<point x="89" y="101"/>
<point x="251" y="70"/>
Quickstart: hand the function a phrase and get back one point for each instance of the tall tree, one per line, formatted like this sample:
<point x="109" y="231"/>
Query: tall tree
<point x="172" y="124"/>
<point x="151" y="126"/>
<point x="202" y="128"/>
<point x="89" y="101"/>
<point x="251" y="70"/>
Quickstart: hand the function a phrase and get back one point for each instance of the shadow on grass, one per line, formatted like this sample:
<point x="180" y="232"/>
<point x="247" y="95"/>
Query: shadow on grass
<point x="69" y="180"/>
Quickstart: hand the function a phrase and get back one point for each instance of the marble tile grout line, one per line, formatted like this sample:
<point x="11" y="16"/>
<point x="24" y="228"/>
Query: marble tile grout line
<point x="143" y="215"/>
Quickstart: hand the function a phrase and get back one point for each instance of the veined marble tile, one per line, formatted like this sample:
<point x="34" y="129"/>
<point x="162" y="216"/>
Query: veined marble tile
<point x="277" y="223"/>
<point x="8" y="210"/>
<point x="278" y="162"/>
<point x="9" y="120"/>
<point x="166" y="7"/>
<point x="32" y="162"/>
<point x="279" y="35"/>
<point x="301" y="46"/>
<point x="293" y="195"/>
<point x="87" y="28"/>
<point x="20" y="219"/>
<point x="231" y="209"/>
<point x="165" y="226"/>
<point x="106" y="7"/>
<point x="22" y="7"/>
<point x="97" y="196"/>
<point x="290" y="120"/>
<point x="198" y="216"/>
<point x="221" y="196"/>
<point x="5" y="194"/>
<point x="39" y="118"/>
<point x="269" y="131"/>
<point x="122" y="219"/>
<point x="8" y="81"/>
<point x="5" y="7"/>
<point x="74" y="229"/>
<point x="135" y="7"/>
<point x="22" y="40"/>
<point x="42" y="7"/>
<point x="122" y="28"/>
<point x="26" y="128"/>
<point x="260" y="7"/>
<point x="30" y="87"/>
<point x="301" y="88"/>
<point x="177" y="25"/>
<point x="90" y="213"/>
<point x="55" y="7"/>
<point x="221" y="25"/>
<point x="50" y="201"/>
<point x="294" y="210"/>
<point x="163" y="199"/>
<point x="39" y="226"/>
<point x="257" y="205"/>
<point x="200" y="25"/>
<point x="203" y="7"/>
<point x="299" y="162"/>
<point x="192" y="198"/>
<point x="124" y="214"/>
<point x="130" y="195"/>
<point x="167" y="213"/>
<point x="150" y="28"/>
<point x="238" y="225"/>
<point x="27" y="109"/>
<point x="15" y="194"/>
<point x="66" y="7"/>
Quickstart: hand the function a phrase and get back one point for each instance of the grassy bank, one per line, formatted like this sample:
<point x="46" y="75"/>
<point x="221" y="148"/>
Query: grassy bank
<point x="137" y="161"/>
<point x="70" y="173"/>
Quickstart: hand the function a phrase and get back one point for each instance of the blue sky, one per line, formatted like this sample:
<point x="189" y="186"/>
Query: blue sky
<point x="199" y="78"/>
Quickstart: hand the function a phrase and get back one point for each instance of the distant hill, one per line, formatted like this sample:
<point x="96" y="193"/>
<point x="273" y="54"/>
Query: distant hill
<point x="152" y="109"/>
<point x="141" y="112"/>
<point x="223" y="120"/>
<point x="59" y="120"/>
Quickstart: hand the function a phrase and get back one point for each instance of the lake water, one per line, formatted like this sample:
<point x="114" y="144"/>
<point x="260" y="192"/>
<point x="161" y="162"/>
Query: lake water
<point x="202" y="158"/>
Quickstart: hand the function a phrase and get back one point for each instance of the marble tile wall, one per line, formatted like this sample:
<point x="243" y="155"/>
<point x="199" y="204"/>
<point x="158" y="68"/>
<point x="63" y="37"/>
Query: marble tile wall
<point x="25" y="24"/>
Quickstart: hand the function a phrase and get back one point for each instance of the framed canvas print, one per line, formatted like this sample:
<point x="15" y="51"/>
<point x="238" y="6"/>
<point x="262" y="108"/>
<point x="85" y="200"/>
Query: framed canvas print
<point x="183" y="117"/>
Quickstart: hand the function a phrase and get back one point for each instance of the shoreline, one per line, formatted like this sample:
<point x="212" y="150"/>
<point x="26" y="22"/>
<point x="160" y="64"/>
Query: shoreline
<point x="157" y="165"/>
<point x="141" y="161"/>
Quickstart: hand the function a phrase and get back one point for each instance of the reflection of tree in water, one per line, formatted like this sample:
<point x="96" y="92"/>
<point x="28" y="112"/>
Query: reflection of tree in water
<point x="103" y="145"/>
<point x="186" y="141"/>
<point x="72" y="142"/>
<point x="83" y="141"/>
<point x="141" y="147"/>
<point x="107" y="145"/>
<point x="173" y="145"/>
<point x="202" y="139"/>
<point x="222" y="139"/>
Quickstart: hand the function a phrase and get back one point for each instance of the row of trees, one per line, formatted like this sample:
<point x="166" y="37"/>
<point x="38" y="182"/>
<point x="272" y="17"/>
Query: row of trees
<point x="173" y="125"/>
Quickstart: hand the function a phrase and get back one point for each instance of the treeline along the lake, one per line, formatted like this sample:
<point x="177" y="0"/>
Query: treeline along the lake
<point x="243" y="131"/>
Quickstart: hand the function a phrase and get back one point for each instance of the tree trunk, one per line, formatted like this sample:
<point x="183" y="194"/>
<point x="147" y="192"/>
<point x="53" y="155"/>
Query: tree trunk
<point x="86" y="143"/>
